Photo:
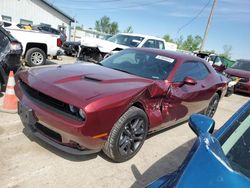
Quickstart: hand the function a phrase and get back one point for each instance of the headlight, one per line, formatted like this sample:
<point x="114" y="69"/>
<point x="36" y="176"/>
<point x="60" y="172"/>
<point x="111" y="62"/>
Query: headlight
<point x="77" y="112"/>
<point x="82" y="114"/>
<point x="73" y="109"/>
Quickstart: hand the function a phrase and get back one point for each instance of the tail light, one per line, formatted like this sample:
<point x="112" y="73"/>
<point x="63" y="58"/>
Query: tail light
<point x="15" y="46"/>
<point x="59" y="42"/>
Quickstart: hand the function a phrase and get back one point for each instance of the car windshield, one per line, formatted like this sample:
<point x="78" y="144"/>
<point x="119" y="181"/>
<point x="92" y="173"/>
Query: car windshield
<point x="236" y="145"/>
<point x="127" y="40"/>
<point x="242" y="65"/>
<point x="141" y="63"/>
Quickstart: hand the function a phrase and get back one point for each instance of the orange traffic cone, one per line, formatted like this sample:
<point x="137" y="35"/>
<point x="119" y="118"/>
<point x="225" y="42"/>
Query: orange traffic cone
<point x="10" y="99"/>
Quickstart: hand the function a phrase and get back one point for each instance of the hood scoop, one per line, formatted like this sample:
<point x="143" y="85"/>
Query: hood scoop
<point x="91" y="79"/>
<point x="78" y="77"/>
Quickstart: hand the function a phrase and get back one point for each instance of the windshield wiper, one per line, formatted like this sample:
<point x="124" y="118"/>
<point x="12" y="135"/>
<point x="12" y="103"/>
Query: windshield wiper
<point x="121" y="70"/>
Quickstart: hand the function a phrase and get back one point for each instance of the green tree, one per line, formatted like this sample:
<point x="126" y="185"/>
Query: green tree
<point x="167" y="38"/>
<point x="227" y="51"/>
<point x="113" y="29"/>
<point x="191" y="43"/>
<point x="106" y="26"/>
<point x="128" y="30"/>
<point x="179" y="42"/>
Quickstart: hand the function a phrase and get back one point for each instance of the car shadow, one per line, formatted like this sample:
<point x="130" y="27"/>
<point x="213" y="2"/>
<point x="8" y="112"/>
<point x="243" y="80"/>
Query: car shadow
<point x="242" y="94"/>
<point x="165" y="165"/>
<point x="70" y="157"/>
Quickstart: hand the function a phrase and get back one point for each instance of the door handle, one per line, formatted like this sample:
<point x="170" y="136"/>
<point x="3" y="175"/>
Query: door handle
<point x="203" y="86"/>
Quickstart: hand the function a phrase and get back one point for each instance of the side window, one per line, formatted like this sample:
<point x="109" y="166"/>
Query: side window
<point x="195" y="70"/>
<point x="26" y="22"/>
<point x="6" y="18"/>
<point x="218" y="61"/>
<point x="149" y="44"/>
<point x="160" y="44"/>
<point x="203" y="73"/>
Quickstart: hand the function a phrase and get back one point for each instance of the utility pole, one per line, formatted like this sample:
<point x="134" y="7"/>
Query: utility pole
<point x="208" y="25"/>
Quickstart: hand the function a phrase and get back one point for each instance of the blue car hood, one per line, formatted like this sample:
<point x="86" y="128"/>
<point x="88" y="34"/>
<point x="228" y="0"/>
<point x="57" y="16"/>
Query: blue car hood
<point x="205" y="166"/>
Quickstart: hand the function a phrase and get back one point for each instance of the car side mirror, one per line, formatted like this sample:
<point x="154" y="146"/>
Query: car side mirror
<point x="201" y="124"/>
<point x="189" y="81"/>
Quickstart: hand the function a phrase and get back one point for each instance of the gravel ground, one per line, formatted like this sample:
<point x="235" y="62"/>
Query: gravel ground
<point x="28" y="162"/>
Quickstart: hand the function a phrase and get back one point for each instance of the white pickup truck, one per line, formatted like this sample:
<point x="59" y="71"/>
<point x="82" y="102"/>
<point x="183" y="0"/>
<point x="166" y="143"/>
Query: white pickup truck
<point x="94" y="49"/>
<point x="37" y="46"/>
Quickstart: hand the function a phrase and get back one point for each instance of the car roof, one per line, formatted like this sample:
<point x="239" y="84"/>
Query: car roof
<point x="170" y="53"/>
<point x="141" y="35"/>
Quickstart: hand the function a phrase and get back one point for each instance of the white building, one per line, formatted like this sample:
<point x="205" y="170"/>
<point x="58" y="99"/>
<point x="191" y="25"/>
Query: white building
<point x="35" y="12"/>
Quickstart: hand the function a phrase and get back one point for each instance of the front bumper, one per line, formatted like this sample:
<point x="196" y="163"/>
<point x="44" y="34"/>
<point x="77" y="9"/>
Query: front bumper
<point x="51" y="136"/>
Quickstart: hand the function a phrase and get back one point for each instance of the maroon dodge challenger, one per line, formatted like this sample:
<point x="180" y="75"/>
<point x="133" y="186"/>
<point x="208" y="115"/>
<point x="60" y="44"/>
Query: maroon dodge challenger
<point x="113" y="105"/>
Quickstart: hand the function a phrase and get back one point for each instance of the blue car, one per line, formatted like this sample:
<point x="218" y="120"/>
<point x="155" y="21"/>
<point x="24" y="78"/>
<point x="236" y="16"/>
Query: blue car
<point x="221" y="160"/>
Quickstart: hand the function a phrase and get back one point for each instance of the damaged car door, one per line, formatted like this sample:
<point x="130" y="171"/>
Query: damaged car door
<point x="189" y="92"/>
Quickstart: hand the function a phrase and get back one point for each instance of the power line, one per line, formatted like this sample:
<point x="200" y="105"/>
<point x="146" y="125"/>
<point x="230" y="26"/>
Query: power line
<point x="195" y="17"/>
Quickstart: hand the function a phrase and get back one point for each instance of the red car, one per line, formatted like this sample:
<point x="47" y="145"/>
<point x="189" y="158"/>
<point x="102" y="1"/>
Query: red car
<point x="240" y="71"/>
<point x="112" y="106"/>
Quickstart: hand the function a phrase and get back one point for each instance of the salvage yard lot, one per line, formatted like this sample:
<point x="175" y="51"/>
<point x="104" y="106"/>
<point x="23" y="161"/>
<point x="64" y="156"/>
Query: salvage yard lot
<point x="26" y="161"/>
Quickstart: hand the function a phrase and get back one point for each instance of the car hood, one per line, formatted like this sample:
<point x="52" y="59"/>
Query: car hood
<point x="103" y="45"/>
<point x="84" y="83"/>
<point x="205" y="166"/>
<point x="238" y="73"/>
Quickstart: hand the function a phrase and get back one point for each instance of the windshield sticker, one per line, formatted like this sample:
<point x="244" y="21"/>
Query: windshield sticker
<point x="164" y="58"/>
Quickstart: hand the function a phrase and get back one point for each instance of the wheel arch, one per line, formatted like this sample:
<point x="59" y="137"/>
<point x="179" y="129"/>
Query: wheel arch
<point x="219" y="92"/>
<point x="41" y="46"/>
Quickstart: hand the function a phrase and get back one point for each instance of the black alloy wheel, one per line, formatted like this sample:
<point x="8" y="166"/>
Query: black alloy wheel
<point x="127" y="135"/>
<point x="132" y="136"/>
<point x="213" y="105"/>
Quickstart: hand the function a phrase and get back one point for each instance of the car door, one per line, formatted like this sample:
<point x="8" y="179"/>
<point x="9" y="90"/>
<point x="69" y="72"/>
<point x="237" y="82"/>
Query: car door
<point x="184" y="99"/>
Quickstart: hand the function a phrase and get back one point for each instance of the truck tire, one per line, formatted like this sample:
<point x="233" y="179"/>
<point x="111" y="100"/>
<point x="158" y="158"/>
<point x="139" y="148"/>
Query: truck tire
<point x="35" y="57"/>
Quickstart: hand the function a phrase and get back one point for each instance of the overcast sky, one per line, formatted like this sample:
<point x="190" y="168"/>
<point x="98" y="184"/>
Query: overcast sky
<point x="230" y="24"/>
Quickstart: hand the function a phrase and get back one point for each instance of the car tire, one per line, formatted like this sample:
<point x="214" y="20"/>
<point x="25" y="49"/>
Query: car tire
<point x="213" y="104"/>
<point x="35" y="57"/>
<point x="127" y="136"/>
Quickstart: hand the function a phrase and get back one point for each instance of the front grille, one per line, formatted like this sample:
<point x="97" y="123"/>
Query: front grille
<point x="48" y="132"/>
<point x="48" y="102"/>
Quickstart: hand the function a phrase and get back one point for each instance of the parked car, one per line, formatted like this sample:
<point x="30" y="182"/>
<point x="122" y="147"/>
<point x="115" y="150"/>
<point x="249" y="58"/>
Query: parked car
<point x="112" y="106"/>
<point x="10" y="53"/>
<point x="37" y="46"/>
<point x="240" y="73"/>
<point x="215" y="161"/>
<point x="71" y="47"/>
<point x="95" y="50"/>
<point x="220" y="64"/>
